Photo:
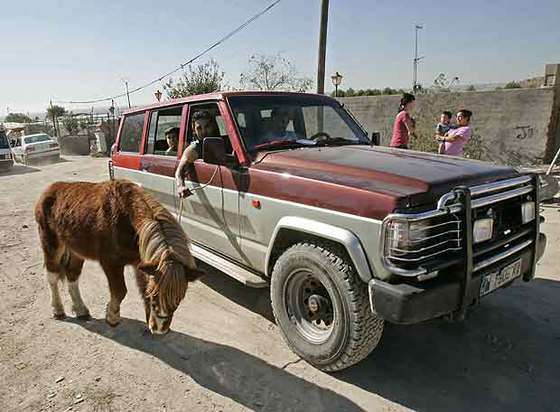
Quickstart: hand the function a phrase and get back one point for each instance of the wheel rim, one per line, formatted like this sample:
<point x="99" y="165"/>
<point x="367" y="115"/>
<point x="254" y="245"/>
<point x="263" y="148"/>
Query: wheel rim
<point x="309" y="306"/>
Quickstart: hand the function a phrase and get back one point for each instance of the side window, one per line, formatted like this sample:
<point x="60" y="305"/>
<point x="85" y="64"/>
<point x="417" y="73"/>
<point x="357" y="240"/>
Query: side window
<point x="163" y="134"/>
<point x="132" y="133"/>
<point x="212" y="122"/>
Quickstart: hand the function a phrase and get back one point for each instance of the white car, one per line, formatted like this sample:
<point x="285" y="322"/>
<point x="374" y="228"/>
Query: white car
<point x="35" y="146"/>
<point x="6" y="160"/>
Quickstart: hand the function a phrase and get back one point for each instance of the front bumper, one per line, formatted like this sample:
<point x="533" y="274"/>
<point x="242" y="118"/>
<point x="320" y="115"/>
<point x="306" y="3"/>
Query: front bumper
<point x="408" y="304"/>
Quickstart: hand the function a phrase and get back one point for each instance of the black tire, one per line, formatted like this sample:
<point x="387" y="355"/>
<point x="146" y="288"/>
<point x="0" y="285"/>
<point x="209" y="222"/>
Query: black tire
<point x="354" y="330"/>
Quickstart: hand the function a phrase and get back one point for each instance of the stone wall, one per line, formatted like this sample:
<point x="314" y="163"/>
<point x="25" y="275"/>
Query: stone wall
<point x="74" y="145"/>
<point x="513" y="127"/>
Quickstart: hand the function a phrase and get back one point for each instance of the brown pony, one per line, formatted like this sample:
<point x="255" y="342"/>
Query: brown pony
<point x="117" y="224"/>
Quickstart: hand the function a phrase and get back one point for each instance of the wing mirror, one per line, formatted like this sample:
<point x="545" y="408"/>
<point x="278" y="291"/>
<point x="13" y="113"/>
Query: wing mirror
<point x="375" y="138"/>
<point x="214" y="150"/>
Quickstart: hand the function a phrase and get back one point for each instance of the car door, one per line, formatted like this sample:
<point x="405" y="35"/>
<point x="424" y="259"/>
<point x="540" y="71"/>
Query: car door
<point x="126" y="158"/>
<point x="211" y="213"/>
<point x="157" y="163"/>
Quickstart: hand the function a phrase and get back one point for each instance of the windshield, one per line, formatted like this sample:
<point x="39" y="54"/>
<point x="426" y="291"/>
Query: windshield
<point x="3" y="141"/>
<point x="268" y="122"/>
<point x="37" y="138"/>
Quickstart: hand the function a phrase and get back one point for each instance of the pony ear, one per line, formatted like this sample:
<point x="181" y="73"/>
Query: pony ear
<point x="148" y="268"/>
<point x="193" y="274"/>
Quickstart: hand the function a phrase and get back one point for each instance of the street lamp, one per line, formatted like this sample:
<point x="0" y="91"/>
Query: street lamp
<point x="336" y="80"/>
<point x="158" y="95"/>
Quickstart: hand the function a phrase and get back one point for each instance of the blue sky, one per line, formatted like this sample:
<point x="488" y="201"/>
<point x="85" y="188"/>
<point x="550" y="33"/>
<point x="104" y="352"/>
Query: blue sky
<point x="64" y="50"/>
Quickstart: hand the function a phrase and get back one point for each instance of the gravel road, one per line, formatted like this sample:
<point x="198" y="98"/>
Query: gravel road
<point x="225" y="353"/>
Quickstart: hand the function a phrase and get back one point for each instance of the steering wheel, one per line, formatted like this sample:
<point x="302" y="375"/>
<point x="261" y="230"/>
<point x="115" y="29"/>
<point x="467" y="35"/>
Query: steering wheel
<point x="319" y="136"/>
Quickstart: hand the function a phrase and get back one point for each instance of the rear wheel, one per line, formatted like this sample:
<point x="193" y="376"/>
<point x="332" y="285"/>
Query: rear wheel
<point x="322" y="307"/>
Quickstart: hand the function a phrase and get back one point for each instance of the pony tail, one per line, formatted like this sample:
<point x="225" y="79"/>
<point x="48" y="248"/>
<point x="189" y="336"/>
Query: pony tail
<point x="406" y="99"/>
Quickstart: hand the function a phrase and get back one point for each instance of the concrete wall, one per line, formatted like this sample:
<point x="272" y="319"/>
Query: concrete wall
<point x="74" y="145"/>
<point x="509" y="126"/>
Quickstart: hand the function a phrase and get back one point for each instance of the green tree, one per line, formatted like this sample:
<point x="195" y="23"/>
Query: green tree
<point x="53" y="113"/>
<point x="373" y="92"/>
<point x="203" y="78"/>
<point x="18" y="118"/>
<point x="273" y="72"/>
<point x="471" y="88"/>
<point x="388" y="90"/>
<point x="71" y="124"/>
<point x="512" y="85"/>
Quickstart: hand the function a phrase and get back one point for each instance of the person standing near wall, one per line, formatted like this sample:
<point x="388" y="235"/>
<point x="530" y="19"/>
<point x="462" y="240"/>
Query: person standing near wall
<point x="403" y="126"/>
<point x="456" y="139"/>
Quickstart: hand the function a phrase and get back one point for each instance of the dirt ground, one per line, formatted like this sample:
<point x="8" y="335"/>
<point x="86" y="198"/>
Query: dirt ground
<point x="225" y="353"/>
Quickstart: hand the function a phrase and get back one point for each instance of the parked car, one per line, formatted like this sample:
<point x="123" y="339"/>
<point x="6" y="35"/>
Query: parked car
<point x="34" y="147"/>
<point x="290" y="192"/>
<point x="6" y="160"/>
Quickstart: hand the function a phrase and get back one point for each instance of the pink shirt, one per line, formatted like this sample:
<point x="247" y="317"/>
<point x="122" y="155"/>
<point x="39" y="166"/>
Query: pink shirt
<point x="462" y="134"/>
<point x="400" y="132"/>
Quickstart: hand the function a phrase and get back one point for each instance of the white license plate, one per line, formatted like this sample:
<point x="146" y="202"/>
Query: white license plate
<point x="499" y="278"/>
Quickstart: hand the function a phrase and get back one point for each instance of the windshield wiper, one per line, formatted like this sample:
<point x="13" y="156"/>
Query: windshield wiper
<point x="278" y="144"/>
<point x="338" y="141"/>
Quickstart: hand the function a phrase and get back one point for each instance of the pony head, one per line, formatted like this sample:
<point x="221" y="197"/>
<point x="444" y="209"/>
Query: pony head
<point x="164" y="286"/>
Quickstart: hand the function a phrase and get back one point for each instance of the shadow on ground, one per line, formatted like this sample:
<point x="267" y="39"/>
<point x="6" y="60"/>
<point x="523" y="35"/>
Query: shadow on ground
<point x="225" y="370"/>
<point x="47" y="161"/>
<point x="503" y="357"/>
<point x="257" y="300"/>
<point x="18" y="169"/>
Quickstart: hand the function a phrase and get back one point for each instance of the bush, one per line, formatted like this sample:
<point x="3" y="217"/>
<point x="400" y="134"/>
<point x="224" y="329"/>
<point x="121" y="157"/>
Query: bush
<point x="390" y="91"/>
<point x="71" y="124"/>
<point x="512" y="85"/>
<point x="17" y="118"/>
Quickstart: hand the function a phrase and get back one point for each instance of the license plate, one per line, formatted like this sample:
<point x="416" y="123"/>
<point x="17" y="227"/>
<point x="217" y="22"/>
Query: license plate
<point x="499" y="278"/>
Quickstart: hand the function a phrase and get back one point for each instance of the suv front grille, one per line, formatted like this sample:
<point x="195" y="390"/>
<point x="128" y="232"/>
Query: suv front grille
<point x="415" y="244"/>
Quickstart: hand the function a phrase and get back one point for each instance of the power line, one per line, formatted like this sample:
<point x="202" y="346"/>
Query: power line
<point x="182" y="65"/>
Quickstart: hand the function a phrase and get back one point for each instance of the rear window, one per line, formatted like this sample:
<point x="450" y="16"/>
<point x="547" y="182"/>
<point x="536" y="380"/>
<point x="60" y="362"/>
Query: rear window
<point x="3" y="141"/>
<point x="37" y="138"/>
<point x="162" y="121"/>
<point x="131" y="134"/>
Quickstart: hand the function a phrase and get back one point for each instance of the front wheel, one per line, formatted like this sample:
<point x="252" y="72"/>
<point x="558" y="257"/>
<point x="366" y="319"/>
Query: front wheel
<point x="322" y="307"/>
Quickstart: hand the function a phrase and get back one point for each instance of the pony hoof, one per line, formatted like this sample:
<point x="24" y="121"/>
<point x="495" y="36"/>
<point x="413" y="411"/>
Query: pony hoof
<point x="111" y="324"/>
<point x="84" y="317"/>
<point x="59" y="316"/>
<point x="112" y="320"/>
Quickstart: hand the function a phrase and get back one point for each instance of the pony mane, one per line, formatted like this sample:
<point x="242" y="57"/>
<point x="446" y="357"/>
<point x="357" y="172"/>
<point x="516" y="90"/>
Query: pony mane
<point x="163" y="243"/>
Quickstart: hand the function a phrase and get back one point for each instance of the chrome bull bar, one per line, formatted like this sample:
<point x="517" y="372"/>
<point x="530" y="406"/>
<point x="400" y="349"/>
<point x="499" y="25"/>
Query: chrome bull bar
<point x="463" y="200"/>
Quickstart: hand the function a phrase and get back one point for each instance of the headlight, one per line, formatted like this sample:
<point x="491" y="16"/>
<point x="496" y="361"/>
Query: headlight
<point x="482" y="230"/>
<point x="404" y="236"/>
<point x="527" y="212"/>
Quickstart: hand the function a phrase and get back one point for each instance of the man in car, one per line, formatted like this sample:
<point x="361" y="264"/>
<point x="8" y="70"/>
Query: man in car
<point x="280" y="118"/>
<point x="203" y="125"/>
<point x="172" y="137"/>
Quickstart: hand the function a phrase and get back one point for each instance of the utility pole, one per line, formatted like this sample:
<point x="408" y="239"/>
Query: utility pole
<point x="416" y="59"/>
<point x="322" y="47"/>
<point x="127" y="94"/>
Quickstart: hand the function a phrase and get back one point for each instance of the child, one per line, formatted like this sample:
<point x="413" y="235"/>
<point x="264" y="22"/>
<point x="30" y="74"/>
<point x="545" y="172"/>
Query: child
<point x="443" y="127"/>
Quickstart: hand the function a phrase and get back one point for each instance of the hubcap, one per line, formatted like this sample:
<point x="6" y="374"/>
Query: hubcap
<point x="309" y="306"/>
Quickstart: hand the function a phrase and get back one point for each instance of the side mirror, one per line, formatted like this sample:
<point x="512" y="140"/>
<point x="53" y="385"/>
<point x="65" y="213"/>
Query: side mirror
<point x="214" y="150"/>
